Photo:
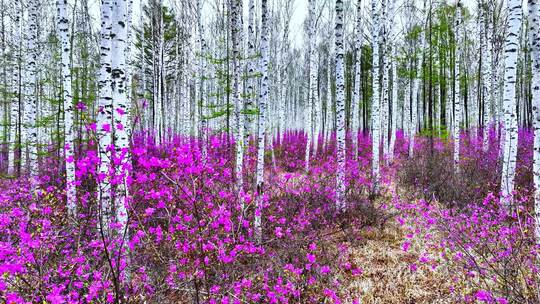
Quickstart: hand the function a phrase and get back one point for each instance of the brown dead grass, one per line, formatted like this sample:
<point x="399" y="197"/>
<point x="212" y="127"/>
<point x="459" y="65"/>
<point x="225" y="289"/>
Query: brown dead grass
<point x="387" y="276"/>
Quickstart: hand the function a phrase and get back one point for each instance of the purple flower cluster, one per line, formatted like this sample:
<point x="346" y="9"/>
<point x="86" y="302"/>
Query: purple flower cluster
<point x="188" y="237"/>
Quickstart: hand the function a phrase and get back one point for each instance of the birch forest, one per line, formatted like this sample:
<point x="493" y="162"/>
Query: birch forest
<point x="269" y="151"/>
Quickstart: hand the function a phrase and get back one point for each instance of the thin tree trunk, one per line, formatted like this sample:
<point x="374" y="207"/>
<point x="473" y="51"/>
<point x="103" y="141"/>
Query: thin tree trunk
<point x="394" y="113"/>
<point x="158" y="98"/>
<point x="340" y="108"/>
<point x="357" y="96"/>
<point x="385" y="80"/>
<point x="416" y="89"/>
<point x="15" y="111"/>
<point x="457" y="100"/>
<point x="534" y="40"/>
<point x="375" y="103"/>
<point x="486" y="72"/>
<point x="236" y="24"/>
<point x="30" y="130"/>
<point x="250" y="99"/>
<point x="262" y="122"/>
<point x="312" y="80"/>
<point x="202" y="66"/>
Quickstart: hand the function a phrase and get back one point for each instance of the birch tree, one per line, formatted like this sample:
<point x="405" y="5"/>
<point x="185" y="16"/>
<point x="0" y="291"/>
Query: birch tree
<point x="15" y="94"/>
<point x="159" y="78"/>
<point x="486" y="69"/>
<point x="261" y="133"/>
<point x="312" y="80"/>
<point x="534" y="40"/>
<point x="410" y="80"/>
<point x="236" y="12"/>
<point x="491" y="62"/>
<point x="385" y="81"/>
<point x="375" y="102"/>
<point x="120" y="105"/>
<point x="394" y="113"/>
<point x="511" y="46"/>
<point x="63" y="32"/>
<point x="329" y="117"/>
<point x="416" y="91"/>
<point x="3" y="71"/>
<point x="457" y="96"/>
<point x="30" y="132"/>
<point x="201" y="72"/>
<point x="250" y="99"/>
<point x="105" y="115"/>
<point x="357" y="72"/>
<point x="340" y="108"/>
<point x="143" y="61"/>
<point x="317" y="105"/>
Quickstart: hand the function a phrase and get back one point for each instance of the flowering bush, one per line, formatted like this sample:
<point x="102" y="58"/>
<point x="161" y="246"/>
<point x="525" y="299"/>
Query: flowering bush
<point x="190" y="233"/>
<point x="488" y="250"/>
<point x="430" y="173"/>
<point x="188" y="238"/>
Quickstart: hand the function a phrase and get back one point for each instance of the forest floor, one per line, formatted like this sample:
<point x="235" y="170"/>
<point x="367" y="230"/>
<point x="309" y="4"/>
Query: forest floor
<point x="392" y="273"/>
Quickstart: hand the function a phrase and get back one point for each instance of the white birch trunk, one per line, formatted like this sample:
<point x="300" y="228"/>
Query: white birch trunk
<point x="120" y="105"/>
<point x="184" y="93"/>
<point x="262" y="122"/>
<point x="509" y="97"/>
<point x="193" y="80"/>
<point x="176" y="85"/>
<point x="492" y="121"/>
<point x="340" y="109"/>
<point x="407" y="105"/>
<point x="449" y="100"/>
<point x="63" y="31"/>
<point x="282" y="94"/>
<point x="414" y="113"/>
<point x="357" y="96"/>
<point x="3" y="68"/>
<point x="202" y="65"/>
<point x="485" y="74"/>
<point x="407" y="125"/>
<point x="385" y="80"/>
<point x="534" y="40"/>
<point x="457" y="101"/>
<point x="143" y="100"/>
<point x="128" y="71"/>
<point x="394" y="115"/>
<point x="251" y="99"/>
<point x="159" y="78"/>
<point x="317" y="111"/>
<point x="105" y="116"/>
<point x="375" y="103"/>
<point x="29" y="130"/>
<point x="312" y="80"/>
<point x="197" y="68"/>
<point x="236" y="11"/>
<point x="329" y="113"/>
<point x="499" y="83"/>
<point x="416" y="93"/>
<point x="14" y="113"/>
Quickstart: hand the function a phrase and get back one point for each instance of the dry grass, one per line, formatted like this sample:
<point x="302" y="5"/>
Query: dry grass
<point x="387" y="275"/>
